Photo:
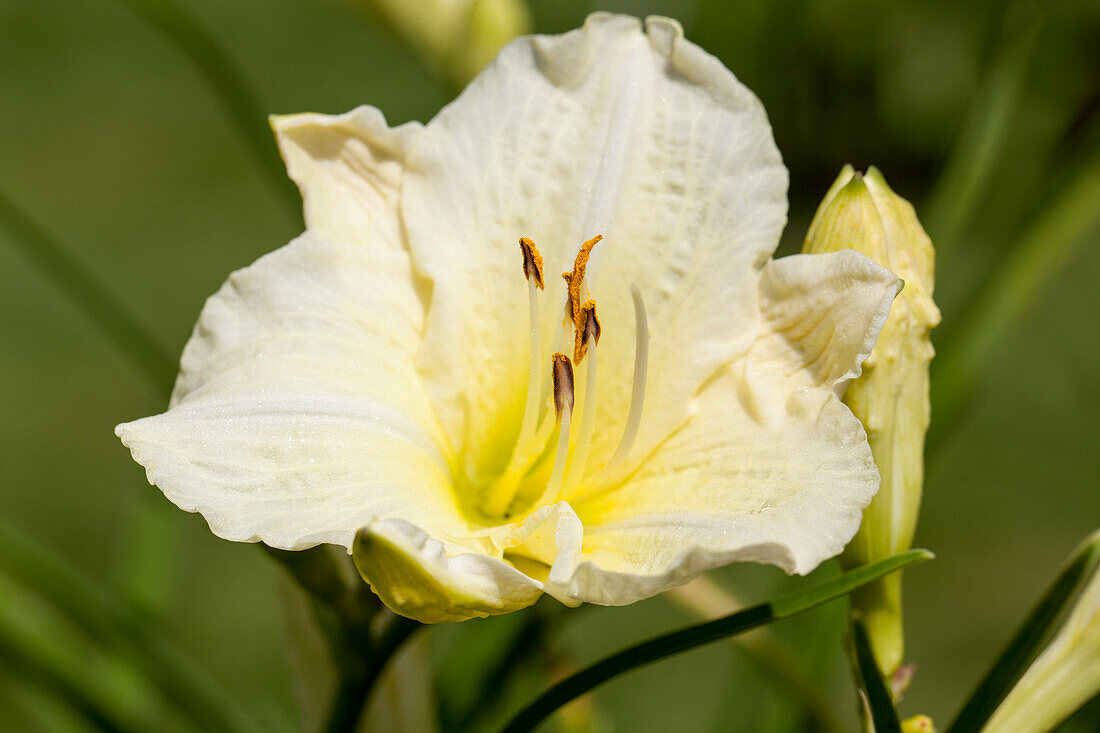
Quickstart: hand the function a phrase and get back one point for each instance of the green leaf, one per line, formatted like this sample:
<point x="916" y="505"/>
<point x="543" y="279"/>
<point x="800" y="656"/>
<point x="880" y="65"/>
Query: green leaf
<point x="675" y="642"/>
<point x="1033" y="634"/>
<point x="176" y="22"/>
<point x="983" y="136"/>
<point x="116" y="626"/>
<point x="883" y="715"/>
<point x="90" y="296"/>
<point x="1044" y="248"/>
<point x="39" y="647"/>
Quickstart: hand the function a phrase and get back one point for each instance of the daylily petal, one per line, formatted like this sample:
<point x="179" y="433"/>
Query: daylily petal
<point x="771" y="467"/>
<point x="727" y="488"/>
<point x="551" y="535"/>
<point x="348" y="168"/>
<point x="298" y="416"/>
<point x="824" y="313"/>
<point x="641" y="137"/>
<point x="416" y="576"/>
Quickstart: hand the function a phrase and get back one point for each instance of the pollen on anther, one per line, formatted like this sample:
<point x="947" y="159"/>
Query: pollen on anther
<point x="562" y="373"/>
<point x="589" y="330"/>
<point x="532" y="262"/>
<point x="575" y="280"/>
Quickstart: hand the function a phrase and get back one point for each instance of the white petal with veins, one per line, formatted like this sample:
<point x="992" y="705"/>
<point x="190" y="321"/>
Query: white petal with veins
<point x="365" y="384"/>
<point x="298" y="415"/>
<point x="643" y="138"/>
<point x="348" y="168"/>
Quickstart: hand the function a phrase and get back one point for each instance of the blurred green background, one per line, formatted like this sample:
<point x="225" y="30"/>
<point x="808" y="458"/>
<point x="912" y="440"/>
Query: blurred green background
<point x="985" y="114"/>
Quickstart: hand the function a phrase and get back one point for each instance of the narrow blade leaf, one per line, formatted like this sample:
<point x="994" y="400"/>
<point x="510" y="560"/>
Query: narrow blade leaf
<point x="675" y="642"/>
<point x="1033" y="633"/>
<point x="883" y="715"/>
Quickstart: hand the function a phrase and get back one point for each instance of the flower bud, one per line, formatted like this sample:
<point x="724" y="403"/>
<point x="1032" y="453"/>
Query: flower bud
<point x="918" y="724"/>
<point x="457" y="38"/>
<point x="861" y="212"/>
<point x="1061" y="679"/>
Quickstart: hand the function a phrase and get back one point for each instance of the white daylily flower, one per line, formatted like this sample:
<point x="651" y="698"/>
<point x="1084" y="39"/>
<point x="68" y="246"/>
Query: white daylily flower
<point x="372" y="376"/>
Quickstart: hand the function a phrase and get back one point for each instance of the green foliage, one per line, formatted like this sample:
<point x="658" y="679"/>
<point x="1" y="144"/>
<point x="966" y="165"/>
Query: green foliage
<point x="1035" y="631"/>
<point x="135" y="159"/>
<point x="784" y="606"/>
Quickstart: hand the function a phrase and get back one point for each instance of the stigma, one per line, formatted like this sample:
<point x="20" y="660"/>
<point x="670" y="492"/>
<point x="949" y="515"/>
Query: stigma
<point x="550" y="437"/>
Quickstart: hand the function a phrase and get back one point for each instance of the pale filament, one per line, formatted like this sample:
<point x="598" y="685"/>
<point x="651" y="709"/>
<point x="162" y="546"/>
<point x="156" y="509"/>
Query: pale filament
<point x="637" y="385"/>
<point x="531" y="408"/>
<point x="588" y="420"/>
<point x="557" y="476"/>
<point x="523" y="454"/>
<point x="637" y="399"/>
<point x="570" y="455"/>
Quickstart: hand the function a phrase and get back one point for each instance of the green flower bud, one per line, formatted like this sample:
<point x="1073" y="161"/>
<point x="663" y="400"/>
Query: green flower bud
<point x="861" y="212"/>
<point x="1061" y="679"/>
<point x="457" y="38"/>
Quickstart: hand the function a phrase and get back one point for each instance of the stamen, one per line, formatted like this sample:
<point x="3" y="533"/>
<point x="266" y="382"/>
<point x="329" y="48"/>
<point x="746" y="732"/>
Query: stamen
<point x="637" y="393"/>
<point x="575" y="280"/>
<point x="532" y="270"/>
<point x="532" y="262"/>
<point x="562" y="373"/>
<point x="588" y="329"/>
<point x="563" y="405"/>
<point x="590" y="332"/>
<point x="508" y="483"/>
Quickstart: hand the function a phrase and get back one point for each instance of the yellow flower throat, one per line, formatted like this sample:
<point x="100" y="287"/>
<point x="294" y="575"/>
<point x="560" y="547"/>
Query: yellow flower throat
<point x="568" y="478"/>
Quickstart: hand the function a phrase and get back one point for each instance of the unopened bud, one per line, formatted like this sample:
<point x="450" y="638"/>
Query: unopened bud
<point x="918" y="724"/>
<point x="861" y="212"/>
<point x="457" y="38"/>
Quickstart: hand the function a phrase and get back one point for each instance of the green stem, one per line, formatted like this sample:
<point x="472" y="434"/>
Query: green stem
<point x="1040" y="253"/>
<point x="66" y="687"/>
<point x="38" y="647"/>
<point x="225" y="81"/>
<point x="361" y="672"/>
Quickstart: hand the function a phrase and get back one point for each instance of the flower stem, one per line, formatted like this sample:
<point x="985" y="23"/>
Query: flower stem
<point x="360" y="672"/>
